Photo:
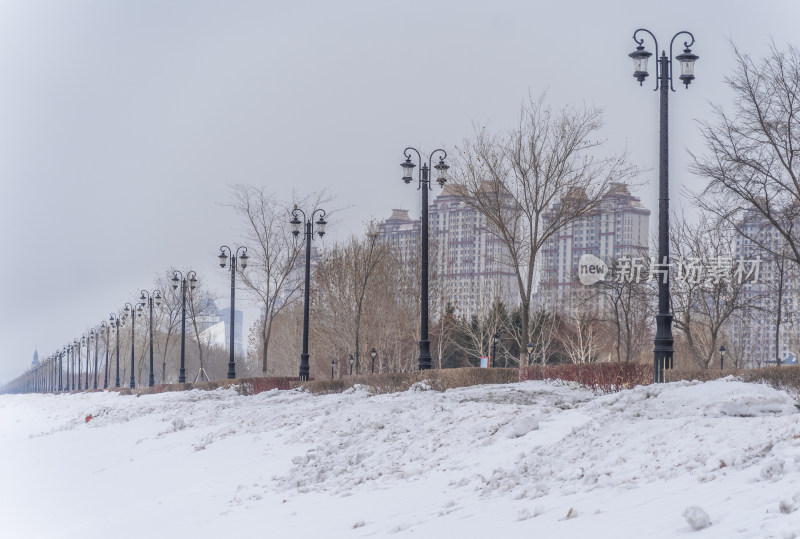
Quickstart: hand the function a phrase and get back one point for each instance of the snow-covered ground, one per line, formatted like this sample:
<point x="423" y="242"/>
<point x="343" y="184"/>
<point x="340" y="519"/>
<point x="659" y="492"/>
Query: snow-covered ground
<point x="533" y="459"/>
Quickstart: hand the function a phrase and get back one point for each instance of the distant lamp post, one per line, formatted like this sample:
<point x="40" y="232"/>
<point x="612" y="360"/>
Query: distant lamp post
<point x="61" y="368"/>
<point x="663" y="351"/>
<point x="133" y="312"/>
<point x="351" y="361"/>
<point x="373" y="354"/>
<point x="530" y="346"/>
<point x="146" y="299"/>
<point x="105" y="326"/>
<point x="333" y="364"/>
<point x="96" y="337"/>
<point x="82" y="342"/>
<point x="232" y="257"/>
<point x="67" y="348"/>
<point x="495" y="338"/>
<point x="76" y="365"/>
<point x="309" y="235"/>
<point x="115" y="321"/>
<point x="177" y="277"/>
<point x="721" y="357"/>
<point x="425" y="360"/>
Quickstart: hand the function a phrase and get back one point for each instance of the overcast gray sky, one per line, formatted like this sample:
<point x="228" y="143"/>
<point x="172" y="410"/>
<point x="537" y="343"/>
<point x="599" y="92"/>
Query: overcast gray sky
<point x="123" y="122"/>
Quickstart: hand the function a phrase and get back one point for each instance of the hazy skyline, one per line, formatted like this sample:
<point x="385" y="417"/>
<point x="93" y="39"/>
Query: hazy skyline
<point x="123" y="123"/>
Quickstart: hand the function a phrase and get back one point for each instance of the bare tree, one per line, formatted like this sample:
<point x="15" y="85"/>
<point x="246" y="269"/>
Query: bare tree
<point x="580" y="334"/>
<point x="201" y="313"/>
<point x="275" y="254"/>
<point x="627" y="307"/>
<point x="168" y="318"/>
<point x="533" y="181"/>
<point x="544" y="330"/>
<point x="751" y="160"/>
<point x="705" y="293"/>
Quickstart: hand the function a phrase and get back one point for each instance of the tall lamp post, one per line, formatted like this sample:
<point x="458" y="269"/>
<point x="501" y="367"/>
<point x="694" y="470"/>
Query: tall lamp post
<point x="721" y="357"/>
<point x="96" y="336"/>
<point x="67" y="348"/>
<point x="115" y="321"/>
<point x="81" y="342"/>
<point x="133" y="312"/>
<point x="88" y="341"/>
<point x="373" y="354"/>
<point x="309" y="235"/>
<point x="333" y="364"/>
<point x="663" y="350"/>
<point x="351" y="361"/>
<point x="178" y="277"/>
<point x="107" y="327"/>
<point x="76" y="365"/>
<point x="231" y="256"/>
<point x="425" y="359"/>
<point x="147" y="299"/>
<point x="61" y="368"/>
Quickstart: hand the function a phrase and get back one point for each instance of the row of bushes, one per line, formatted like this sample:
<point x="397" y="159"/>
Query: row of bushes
<point x="603" y="377"/>
<point x="786" y="378"/>
<point x="244" y="386"/>
<point x="438" y="380"/>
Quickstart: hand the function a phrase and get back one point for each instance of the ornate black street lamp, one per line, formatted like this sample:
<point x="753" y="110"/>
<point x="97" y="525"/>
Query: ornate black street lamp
<point x="425" y="360"/>
<point x="96" y="336"/>
<point x="177" y="277"/>
<point x="663" y="351"/>
<point x="333" y="364"/>
<point x="105" y="326"/>
<point x="351" y="361"/>
<point x="115" y="321"/>
<point x="87" y="340"/>
<point x="133" y="312"/>
<point x="231" y="256"/>
<point x="373" y="354"/>
<point x="721" y="357"/>
<point x="530" y="346"/>
<point x="61" y="368"/>
<point x="147" y="299"/>
<point x="68" y="347"/>
<point x="495" y="338"/>
<point x="75" y="365"/>
<point x="79" y="344"/>
<point x="309" y="235"/>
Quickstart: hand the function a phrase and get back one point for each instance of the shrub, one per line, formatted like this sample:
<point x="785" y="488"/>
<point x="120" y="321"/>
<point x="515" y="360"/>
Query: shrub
<point x="784" y="377"/>
<point x="603" y="377"/>
<point x="438" y="380"/>
<point x="701" y="375"/>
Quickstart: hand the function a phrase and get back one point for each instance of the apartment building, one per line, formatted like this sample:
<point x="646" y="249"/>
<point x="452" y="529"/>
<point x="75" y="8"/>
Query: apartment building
<point x="468" y="264"/>
<point x="617" y="228"/>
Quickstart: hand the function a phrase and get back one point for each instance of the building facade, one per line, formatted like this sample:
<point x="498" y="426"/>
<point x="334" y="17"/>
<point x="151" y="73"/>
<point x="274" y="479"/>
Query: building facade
<point x="756" y="333"/>
<point x="617" y="228"/>
<point x="468" y="264"/>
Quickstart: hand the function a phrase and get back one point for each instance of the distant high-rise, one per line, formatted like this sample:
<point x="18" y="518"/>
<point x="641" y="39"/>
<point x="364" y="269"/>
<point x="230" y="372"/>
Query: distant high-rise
<point x="468" y="264"/>
<point x="617" y="228"/>
<point x="214" y="326"/>
<point x="777" y="283"/>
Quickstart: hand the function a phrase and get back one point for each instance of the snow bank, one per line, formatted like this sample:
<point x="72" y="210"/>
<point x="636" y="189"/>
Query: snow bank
<point x="515" y="459"/>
